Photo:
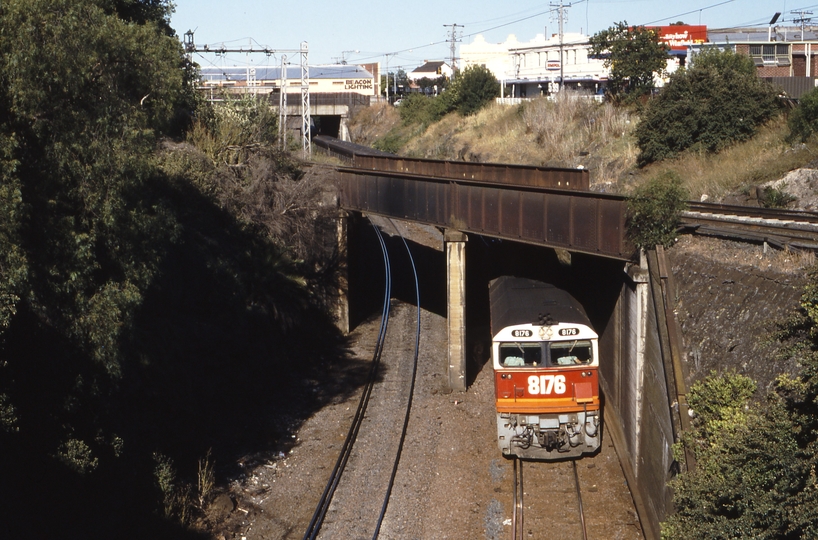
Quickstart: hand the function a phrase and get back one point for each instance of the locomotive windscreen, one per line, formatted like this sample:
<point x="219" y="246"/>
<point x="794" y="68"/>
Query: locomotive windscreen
<point x="526" y="301"/>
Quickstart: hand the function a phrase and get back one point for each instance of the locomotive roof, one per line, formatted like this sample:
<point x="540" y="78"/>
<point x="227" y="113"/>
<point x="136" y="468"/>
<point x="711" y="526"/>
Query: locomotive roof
<point x="526" y="301"/>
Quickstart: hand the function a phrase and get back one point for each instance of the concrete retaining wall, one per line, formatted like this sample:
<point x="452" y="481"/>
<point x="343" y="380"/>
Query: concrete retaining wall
<point x="637" y="412"/>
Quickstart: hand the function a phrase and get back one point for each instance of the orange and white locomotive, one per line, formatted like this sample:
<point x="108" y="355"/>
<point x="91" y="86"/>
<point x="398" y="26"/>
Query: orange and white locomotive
<point x="545" y="357"/>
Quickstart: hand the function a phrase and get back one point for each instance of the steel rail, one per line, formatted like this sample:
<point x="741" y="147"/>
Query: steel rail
<point x="404" y="429"/>
<point x="780" y="231"/>
<point x="579" y="502"/>
<point x="517" y="516"/>
<point x="335" y="475"/>
<point x="753" y="211"/>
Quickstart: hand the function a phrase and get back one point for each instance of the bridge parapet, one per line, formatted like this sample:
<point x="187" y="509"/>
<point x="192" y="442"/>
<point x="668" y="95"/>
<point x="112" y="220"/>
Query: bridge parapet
<point x="501" y="173"/>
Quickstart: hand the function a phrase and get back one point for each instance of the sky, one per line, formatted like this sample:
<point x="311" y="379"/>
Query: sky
<point x="407" y="33"/>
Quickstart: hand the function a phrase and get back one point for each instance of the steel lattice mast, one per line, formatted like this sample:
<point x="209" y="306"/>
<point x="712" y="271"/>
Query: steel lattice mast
<point x="306" y="144"/>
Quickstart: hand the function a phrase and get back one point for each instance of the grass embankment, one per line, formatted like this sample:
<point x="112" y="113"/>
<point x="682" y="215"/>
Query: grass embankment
<point x="579" y="133"/>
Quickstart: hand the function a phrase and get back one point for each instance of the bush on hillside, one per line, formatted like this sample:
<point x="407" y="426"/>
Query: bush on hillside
<point x="803" y="121"/>
<point x="718" y="101"/>
<point x="467" y="93"/>
<point x="654" y="211"/>
<point x="475" y="87"/>
<point x="424" y="110"/>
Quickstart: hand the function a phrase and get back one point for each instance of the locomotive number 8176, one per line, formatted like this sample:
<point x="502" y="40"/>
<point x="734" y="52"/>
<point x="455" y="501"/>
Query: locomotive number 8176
<point x="545" y="358"/>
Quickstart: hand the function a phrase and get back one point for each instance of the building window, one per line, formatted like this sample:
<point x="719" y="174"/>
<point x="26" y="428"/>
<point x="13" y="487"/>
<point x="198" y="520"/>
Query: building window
<point x="771" y="55"/>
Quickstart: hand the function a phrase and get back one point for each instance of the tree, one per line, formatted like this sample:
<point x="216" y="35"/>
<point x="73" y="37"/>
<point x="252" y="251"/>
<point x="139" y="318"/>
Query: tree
<point x="633" y="55"/>
<point x="655" y="210"/>
<point x="803" y="121"/>
<point x="427" y="85"/>
<point x="716" y="102"/>
<point x="83" y="91"/>
<point x="396" y="80"/>
<point x="473" y="88"/>
<point x="144" y="11"/>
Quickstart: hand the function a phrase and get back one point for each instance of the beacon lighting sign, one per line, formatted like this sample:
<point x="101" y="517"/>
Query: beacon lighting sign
<point x="680" y="36"/>
<point x="358" y="84"/>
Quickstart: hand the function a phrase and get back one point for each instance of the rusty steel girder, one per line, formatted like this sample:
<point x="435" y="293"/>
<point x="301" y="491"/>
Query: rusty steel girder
<point x="497" y="173"/>
<point x="581" y="221"/>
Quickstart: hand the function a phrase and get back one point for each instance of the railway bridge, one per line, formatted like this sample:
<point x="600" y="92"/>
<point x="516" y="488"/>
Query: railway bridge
<point x="544" y="224"/>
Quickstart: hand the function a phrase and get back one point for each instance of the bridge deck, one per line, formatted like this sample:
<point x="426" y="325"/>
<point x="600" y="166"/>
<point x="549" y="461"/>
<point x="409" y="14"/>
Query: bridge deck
<point x="581" y="221"/>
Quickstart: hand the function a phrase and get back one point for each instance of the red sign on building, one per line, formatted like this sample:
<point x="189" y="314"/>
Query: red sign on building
<point x="679" y="36"/>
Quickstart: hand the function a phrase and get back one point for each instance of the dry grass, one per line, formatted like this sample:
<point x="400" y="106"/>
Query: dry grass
<point x="567" y="133"/>
<point x="581" y="133"/>
<point x="368" y="124"/>
<point x="711" y="177"/>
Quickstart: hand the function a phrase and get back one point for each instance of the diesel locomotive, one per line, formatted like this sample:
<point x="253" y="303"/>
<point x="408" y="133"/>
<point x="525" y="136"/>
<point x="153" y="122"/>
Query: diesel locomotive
<point x="545" y="356"/>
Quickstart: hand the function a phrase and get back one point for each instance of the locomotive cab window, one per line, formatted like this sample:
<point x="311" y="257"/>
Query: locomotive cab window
<point x="571" y="353"/>
<point x="520" y="354"/>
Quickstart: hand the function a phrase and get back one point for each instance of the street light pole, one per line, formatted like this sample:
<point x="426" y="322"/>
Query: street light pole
<point x="387" y="77"/>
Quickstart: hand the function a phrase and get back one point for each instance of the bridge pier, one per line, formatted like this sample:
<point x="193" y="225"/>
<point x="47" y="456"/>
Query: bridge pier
<point x="455" y="246"/>
<point x="343" y="129"/>
<point x="342" y="299"/>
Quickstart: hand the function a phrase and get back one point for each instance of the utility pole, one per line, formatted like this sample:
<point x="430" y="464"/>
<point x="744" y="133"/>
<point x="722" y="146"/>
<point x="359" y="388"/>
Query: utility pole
<point x="803" y="20"/>
<point x="387" y="78"/>
<point x="561" y="16"/>
<point x="282" y="104"/>
<point x="454" y="37"/>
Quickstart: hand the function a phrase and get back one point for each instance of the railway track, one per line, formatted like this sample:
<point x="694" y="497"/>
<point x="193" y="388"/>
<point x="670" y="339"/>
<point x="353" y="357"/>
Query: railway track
<point x="780" y="228"/>
<point x="553" y="508"/>
<point x="379" y="387"/>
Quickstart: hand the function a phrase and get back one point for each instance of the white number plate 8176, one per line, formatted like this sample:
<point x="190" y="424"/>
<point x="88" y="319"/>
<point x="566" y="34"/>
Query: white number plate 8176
<point x="546" y="384"/>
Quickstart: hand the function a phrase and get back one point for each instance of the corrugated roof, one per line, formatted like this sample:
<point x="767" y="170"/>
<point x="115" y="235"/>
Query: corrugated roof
<point x="270" y="73"/>
<point x="524" y="301"/>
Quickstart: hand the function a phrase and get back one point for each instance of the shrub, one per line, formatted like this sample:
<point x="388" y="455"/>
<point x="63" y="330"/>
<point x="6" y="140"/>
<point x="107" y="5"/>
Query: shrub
<point x="391" y="143"/>
<point x="229" y="128"/>
<point x="475" y="87"/>
<point x="803" y="121"/>
<point x="713" y="104"/>
<point x="654" y="211"/>
<point x="776" y="197"/>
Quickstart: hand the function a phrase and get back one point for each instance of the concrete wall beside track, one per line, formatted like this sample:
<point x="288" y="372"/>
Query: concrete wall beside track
<point x="638" y="403"/>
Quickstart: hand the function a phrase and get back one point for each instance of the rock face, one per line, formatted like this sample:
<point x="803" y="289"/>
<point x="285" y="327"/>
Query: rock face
<point x="801" y="184"/>
<point x="729" y="297"/>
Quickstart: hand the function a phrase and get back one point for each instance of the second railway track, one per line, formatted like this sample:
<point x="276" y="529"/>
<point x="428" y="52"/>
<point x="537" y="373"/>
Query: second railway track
<point x="778" y="227"/>
<point x="364" y="474"/>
